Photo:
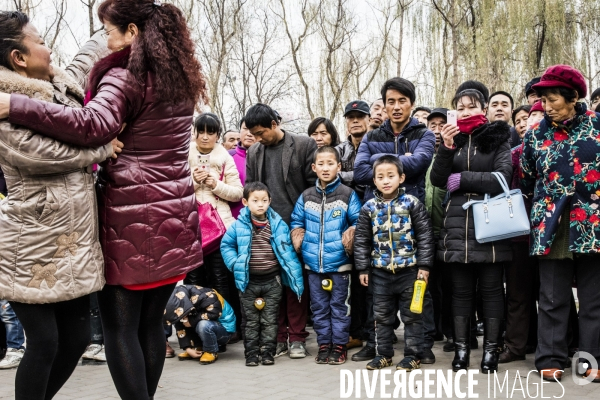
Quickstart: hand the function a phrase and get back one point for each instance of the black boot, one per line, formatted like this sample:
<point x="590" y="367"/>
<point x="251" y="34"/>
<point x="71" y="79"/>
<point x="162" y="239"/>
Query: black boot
<point x="489" y="361"/>
<point x="462" y="349"/>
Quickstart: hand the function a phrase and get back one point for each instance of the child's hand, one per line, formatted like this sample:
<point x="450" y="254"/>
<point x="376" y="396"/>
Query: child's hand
<point x="364" y="279"/>
<point x="422" y="274"/>
<point x="193" y="352"/>
<point x="297" y="235"/>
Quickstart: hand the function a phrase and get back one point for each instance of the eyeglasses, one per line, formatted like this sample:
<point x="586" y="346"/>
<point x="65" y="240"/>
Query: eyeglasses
<point x="105" y="33"/>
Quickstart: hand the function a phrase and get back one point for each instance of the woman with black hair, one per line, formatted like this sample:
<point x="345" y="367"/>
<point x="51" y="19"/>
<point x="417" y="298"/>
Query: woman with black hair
<point x="323" y="132"/>
<point x="470" y="152"/>
<point x="145" y="91"/>
<point x="50" y="256"/>
<point x="216" y="182"/>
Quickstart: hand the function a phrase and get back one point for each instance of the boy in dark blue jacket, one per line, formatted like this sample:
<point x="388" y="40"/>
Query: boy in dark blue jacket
<point x="323" y="225"/>
<point x="258" y="250"/>
<point x="393" y="247"/>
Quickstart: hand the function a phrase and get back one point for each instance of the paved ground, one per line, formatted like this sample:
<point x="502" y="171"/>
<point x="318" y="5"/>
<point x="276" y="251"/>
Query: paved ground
<point x="301" y="379"/>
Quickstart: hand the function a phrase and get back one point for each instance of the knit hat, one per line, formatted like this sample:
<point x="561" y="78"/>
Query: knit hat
<point x="537" y="106"/>
<point x="563" y="76"/>
<point x="529" y="85"/>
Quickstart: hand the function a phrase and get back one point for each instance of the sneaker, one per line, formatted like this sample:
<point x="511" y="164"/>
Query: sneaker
<point x="323" y="354"/>
<point x="12" y="359"/>
<point x="338" y="355"/>
<point x="428" y="357"/>
<point x="281" y="349"/>
<point x="409" y="363"/>
<point x="352" y="343"/>
<point x="208" y="358"/>
<point x="100" y="356"/>
<point x="297" y="350"/>
<point x="170" y="352"/>
<point x="365" y="354"/>
<point x="379" y="362"/>
<point x="267" y="359"/>
<point x="184" y="356"/>
<point x="91" y="351"/>
<point x="252" y="361"/>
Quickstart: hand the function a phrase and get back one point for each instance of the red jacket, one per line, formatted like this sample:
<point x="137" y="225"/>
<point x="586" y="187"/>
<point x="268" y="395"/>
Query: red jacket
<point x="147" y="208"/>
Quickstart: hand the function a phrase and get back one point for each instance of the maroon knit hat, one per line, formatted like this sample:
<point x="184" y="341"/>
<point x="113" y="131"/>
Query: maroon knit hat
<point x="563" y="76"/>
<point x="537" y="106"/>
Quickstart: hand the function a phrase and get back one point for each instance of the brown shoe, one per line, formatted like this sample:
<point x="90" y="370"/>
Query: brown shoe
<point x="597" y="376"/>
<point x="551" y="374"/>
<point x="508" y="356"/>
<point x="170" y="351"/>
<point x="353" y="343"/>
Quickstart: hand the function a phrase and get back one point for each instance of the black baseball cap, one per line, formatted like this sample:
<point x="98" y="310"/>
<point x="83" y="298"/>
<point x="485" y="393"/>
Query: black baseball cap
<point x="528" y="86"/>
<point x="438" y="112"/>
<point x="357" y="105"/>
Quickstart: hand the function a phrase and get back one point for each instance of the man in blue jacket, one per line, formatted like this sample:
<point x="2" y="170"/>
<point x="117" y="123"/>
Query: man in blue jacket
<point x="401" y="136"/>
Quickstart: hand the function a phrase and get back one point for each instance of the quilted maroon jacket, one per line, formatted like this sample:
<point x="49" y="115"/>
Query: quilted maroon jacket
<point x="147" y="209"/>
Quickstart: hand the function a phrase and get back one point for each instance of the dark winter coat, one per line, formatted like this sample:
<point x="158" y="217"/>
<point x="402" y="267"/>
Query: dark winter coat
<point x="347" y="153"/>
<point x="475" y="157"/>
<point x="415" y="139"/>
<point x="147" y="207"/>
<point x="325" y="216"/>
<point x="392" y="235"/>
<point x="196" y="303"/>
<point x="560" y="165"/>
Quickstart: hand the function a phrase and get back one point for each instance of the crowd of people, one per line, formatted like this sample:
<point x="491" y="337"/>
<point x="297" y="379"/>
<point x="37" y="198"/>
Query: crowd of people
<point x="126" y="217"/>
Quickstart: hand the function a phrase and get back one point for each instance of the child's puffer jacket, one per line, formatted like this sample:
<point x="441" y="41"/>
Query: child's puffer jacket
<point x="235" y="249"/>
<point x="199" y="303"/>
<point x="392" y="235"/>
<point x="325" y="216"/>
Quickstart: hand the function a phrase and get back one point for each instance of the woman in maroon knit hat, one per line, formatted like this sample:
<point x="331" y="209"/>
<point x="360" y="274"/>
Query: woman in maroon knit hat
<point x="559" y="167"/>
<point x="147" y="88"/>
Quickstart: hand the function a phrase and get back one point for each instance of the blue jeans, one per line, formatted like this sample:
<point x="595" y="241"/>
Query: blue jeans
<point x="212" y="334"/>
<point x="14" y="330"/>
<point x="331" y="309"/>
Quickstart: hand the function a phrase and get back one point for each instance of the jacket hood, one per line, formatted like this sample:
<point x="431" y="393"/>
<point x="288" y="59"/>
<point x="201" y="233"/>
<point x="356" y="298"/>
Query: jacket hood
<point x="488" y="137"/>
<point x="413" y="123"/>
<point x="331" y="186"/>
<point x="12" y="82"/>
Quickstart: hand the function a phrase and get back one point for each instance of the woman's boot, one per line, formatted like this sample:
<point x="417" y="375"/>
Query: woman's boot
<point x="489" y="362"/>
<point x="462" y="350"/>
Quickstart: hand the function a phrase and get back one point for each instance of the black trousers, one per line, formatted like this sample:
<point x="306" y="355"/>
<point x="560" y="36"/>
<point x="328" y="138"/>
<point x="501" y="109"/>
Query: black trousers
<point x="393" y="293"/>
<point x="260" y="330"/>
<point x="97" y="337"/>
<point x="358" y="309"/>
<point x="215" y="275"/>
<point x="522" y="288"/>
<point x="556" y="277"/>
<point x="57" y="335"/>
<point x="440" y="287"/>
<point x="489" y="283"/>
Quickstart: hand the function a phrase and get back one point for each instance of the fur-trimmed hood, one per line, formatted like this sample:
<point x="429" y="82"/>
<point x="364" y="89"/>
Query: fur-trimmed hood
<point x="12" y="82"/>
<point x="486" y="138"/>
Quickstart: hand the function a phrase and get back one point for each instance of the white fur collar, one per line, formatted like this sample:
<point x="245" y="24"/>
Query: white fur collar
<point x="11" y="82"/>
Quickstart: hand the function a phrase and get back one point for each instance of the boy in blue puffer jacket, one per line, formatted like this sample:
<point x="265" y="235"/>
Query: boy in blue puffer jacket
<point x="258" y="250"/>
<point x="323" y="224"/>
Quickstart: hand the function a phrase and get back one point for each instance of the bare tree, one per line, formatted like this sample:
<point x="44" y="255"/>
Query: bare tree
<point x="90" y="6"/>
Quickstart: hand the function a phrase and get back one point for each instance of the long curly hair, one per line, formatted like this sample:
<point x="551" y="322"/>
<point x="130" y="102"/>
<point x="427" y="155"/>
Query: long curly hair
<point x="164" y="47"/>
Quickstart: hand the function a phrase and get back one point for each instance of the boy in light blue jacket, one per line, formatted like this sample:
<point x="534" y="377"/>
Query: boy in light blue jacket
<point x="323" y="225"/>
<point x="257" y="248"/>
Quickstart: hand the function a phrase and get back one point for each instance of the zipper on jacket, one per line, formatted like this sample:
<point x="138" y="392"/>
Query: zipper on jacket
<point x="396" y="144"/>
<point x="493" y="253"/>
<point x="390" y="236"/>
<point x="468" y="199"/>
<point x="446" y="235"/>
<point x="321" y="230"/>
<point x="445" y="247"/>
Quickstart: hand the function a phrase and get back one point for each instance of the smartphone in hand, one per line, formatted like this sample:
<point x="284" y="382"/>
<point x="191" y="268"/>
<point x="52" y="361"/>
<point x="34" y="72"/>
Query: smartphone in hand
<point x="204" y="162"/>
<point x="451" y="117"/>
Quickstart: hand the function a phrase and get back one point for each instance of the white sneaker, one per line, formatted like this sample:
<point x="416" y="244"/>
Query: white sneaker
<point x="12" y="359"/>
<point x="101" y="355"/>
<point x="91" y="351"/>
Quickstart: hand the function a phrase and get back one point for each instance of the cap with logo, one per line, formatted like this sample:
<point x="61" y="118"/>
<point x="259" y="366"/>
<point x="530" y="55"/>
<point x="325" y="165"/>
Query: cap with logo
<point x="357" y="105"/>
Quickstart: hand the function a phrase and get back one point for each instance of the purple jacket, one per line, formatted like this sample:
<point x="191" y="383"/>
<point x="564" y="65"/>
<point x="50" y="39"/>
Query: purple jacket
<point x="239" y="156"/>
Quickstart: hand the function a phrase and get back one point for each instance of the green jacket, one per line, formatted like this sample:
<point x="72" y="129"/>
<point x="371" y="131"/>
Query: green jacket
<point x="434" y="197"/>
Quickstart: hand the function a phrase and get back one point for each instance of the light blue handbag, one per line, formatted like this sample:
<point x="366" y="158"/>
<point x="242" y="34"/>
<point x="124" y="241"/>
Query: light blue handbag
<point x="500" y="217"/>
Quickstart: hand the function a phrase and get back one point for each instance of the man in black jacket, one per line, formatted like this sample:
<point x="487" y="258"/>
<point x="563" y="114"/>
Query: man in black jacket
<point x="283" y="162"/>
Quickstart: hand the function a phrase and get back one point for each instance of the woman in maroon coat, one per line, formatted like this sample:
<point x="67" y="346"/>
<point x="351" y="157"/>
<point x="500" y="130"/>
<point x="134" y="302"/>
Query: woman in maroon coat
<point x="144" y="92"/>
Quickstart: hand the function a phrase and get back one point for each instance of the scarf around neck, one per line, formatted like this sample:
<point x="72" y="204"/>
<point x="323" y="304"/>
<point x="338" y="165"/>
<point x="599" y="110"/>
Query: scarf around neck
<point x="469" y="124"/>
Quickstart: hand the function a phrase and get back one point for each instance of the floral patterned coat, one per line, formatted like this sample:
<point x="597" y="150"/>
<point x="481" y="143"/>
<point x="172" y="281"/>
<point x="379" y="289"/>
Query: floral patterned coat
<point x="560" y="165"/>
